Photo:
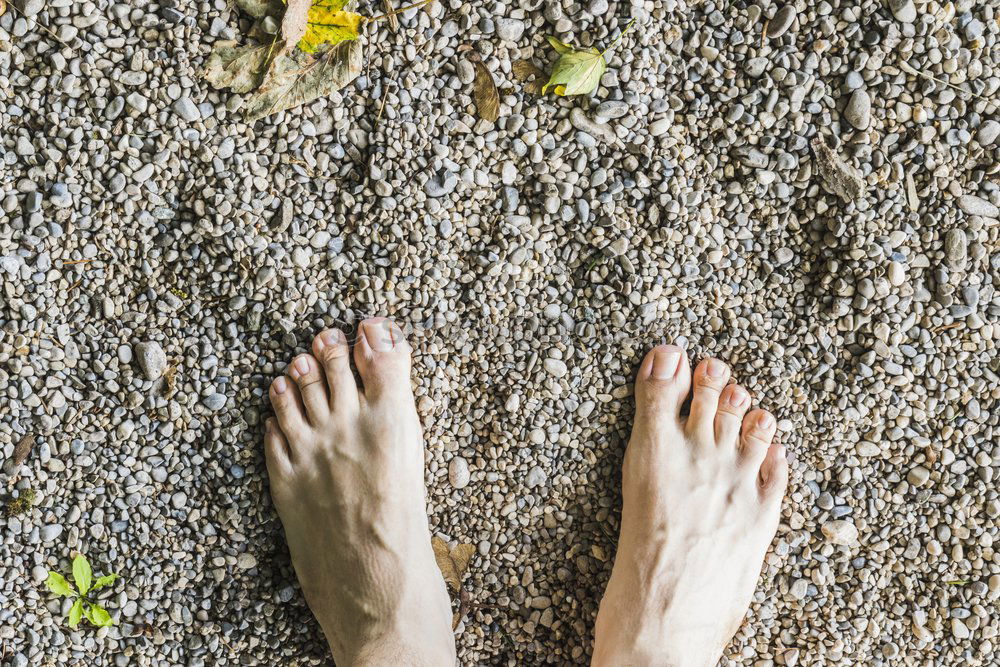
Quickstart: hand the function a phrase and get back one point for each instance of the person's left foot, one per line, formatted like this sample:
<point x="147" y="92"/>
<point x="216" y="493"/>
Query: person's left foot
<point x="346" y="473"/>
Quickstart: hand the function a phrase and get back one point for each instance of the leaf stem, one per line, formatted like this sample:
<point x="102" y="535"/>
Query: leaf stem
<point x="619" y="38"/>
<point x="398" y="11"/>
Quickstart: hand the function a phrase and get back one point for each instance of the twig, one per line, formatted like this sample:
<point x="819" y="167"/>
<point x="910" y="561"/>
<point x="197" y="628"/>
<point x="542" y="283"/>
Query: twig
<point x="393" y="21"/>
<point x="33" y="20"/>
<point x="910" y="69"/>
<point x="398" y="11"/>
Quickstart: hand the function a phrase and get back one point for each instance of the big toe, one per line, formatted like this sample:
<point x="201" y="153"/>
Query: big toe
<point x="382" y="356"/>
<point x="663" y="383"/>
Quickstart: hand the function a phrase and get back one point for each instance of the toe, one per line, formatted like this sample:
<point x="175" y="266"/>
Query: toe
<point x="774" y="473"/>
<point x="382" y="356"/>
<point x="663" y="382"/>
<point x="288" y="407"/>
<point x="733" y="404"/>
<point x="710" y="377"/>
<point x="331" y="348"/>
<point x="758" y="431"/>
<point x="276" y="453"/>
<point x="309" y="376"/>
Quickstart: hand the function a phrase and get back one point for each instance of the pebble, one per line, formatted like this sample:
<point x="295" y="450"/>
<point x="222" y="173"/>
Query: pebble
<point x="840" y="532"/>
<point x="781" y="21"/>
<point x="458" y="472"/>
<point x="187" y="109"/>
<point x="509" y="29"/>
<point x="152" y="360"/>
<point x="858" y="110"/>
<point x="903" y="10"/>
<point x="974" y="205"/>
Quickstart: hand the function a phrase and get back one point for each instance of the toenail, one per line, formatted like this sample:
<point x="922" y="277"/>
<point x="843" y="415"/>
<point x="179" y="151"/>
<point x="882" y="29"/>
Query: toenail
<point x="267" y="425"/>
<point x="302" y="365"/>
<point x="780" y="452"/>
<point x="715" y="368"/>
<point x="333" y="337"/>
<point x="738" y="397"/>
<point x="280" y="386"/>
<point x="765" y="422"/>
<point x="379" y="336"/>
<point x="665" y="364"/>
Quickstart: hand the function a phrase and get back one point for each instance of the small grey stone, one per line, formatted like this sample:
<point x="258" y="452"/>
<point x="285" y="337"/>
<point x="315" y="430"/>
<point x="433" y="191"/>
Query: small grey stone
<point x="973" y="205"/>
<point x="535" y="477"/>
<point x="841" y="532"/>
<point x="50" y="532"/>
<point x="215" y="402"/>
<point x="903" y="10"/>
<point x="859" y="109"/>
<point x="781" y="22"/>
<point x="458" y="472"/>
<point x="187" y="109"/>
<point x="555" y="367"/>
<point x="509" y="29"/>
<point x="988" y="133"/>
<point x="152" y="360"/>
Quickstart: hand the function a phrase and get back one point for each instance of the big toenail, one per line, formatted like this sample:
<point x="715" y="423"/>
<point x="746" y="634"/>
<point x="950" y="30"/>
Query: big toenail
<point x="280" y="386"/>
<point x="333" y="337"/>
<point x="379" y="336"/>
<point x="738" y="397"/>
<point x="780" y="452"/>
<point x="302" y="365"/>
<point x="765" y="422"/>
<point x="665" y="364"/>
<point x="715" y="368"/>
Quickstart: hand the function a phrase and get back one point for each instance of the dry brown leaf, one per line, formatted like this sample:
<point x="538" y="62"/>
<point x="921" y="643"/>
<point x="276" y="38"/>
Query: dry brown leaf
<point x="530" y="74"/>
<point x="23" y="448"/>
<point x="452" y="562"/>
<point x="236" y="67"/>
<point x="393" y="20"/>
<point x="484" y="91"/>
<point x="298" y="79"/>
<point x="3" y="7"/>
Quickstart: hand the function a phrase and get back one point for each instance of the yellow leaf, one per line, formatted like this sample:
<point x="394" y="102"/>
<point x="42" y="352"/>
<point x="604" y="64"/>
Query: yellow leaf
<point x="452" y="562"/>
<point x="484" y="91"/>
<point x="328" y="23"/>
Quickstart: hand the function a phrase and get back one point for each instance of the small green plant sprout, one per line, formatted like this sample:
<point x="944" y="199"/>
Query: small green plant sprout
<point x="86" y="585"/>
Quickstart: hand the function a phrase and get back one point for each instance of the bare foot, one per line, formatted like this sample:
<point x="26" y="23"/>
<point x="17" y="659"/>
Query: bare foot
<point x="346" y="472"/>
<point x="701" y="499"/>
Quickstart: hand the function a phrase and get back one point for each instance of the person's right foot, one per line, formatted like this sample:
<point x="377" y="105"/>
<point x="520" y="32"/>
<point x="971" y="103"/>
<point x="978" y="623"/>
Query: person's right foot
<point x="701" y="499"/>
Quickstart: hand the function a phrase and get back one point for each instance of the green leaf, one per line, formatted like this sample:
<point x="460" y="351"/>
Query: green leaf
<point x="82" y="574"/>
<point x="328" y="23"/>
<point x="97" y="615"/>
<point x="58" y="584"/>
<point x="101" y="582"/>
<point x="576" y="72"/>
<point x="76" y="613"/>
<point x="560" y="46"/>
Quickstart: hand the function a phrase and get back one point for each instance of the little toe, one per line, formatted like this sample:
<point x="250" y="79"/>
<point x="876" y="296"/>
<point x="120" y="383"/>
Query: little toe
<point x="382" y="356"/>
<point x="663" y="382"/>
<point x="774" y="472"/>
<point x="309" y="376"/>
<point x="710" y="377"/>
<point x="333" y="352"/>
<point x="758" y="431"/>
<point x="733" y="404"/>
<point x="288" y="408"/>
<point x="276" y="452"/>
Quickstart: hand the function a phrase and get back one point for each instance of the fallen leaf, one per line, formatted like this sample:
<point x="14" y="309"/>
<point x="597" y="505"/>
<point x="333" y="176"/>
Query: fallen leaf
<point x="839" y="177"/>
<point x="23" y="448"/>
<point x="484" y="91"/>
<point x="237" y="67"/>
<point x="259" y="8"/>
<point x="393" y="20"/>
<point x="577" y="72"/>
<point x="298" y="79"/>
<point x="452" y="562"/>
<point x="3" y="7"/>
<point x="530" y="74"/>
<point x="328" y="23"/>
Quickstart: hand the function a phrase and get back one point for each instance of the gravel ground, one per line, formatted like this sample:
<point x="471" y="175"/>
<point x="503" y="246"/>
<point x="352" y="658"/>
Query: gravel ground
<point x="808" y="191"/>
